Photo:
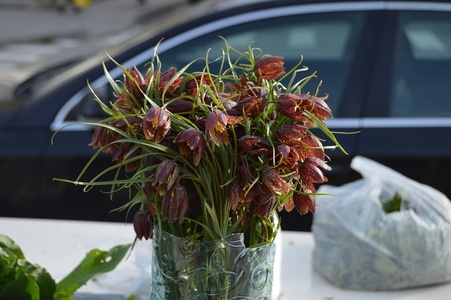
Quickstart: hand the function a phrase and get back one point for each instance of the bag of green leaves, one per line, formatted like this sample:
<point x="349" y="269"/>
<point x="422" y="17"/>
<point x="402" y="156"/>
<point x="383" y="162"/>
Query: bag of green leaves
<point x="382" y="232"/>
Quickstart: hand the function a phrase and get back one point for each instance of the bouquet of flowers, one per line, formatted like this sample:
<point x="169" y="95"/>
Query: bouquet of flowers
<point x="209" y="158"/>
<point x="206" y="155"/>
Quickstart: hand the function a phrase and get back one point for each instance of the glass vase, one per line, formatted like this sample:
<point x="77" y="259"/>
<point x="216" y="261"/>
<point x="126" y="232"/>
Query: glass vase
<point x="183" y="268"/>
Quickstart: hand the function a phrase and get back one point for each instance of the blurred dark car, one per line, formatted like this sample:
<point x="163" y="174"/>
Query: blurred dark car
<point x="385" y="64"/>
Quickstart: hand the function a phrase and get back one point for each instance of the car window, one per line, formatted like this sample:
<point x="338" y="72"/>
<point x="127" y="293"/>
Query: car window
<point x="422" y="74"/>
<point x="326" y="41"/>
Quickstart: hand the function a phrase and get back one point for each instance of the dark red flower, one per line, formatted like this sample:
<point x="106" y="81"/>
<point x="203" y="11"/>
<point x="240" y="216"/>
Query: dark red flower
<point x="286" y="157"/>
<point x="251" y="106"/>
<point x="216" y="127"/>
<point x="320" y="108"/>
<point x="262" y="205"/>
<point x="309" y="170"/>
<point x="288" y="205"/>
<point x="274" y="182"/>
<point x="192" y="85"/>
<point x="254" y="144"/>
<point x="102" y="137"/>
<point x="310" y="146"/>
<point x="269" y="67"/>
<point x="166" y="175"/>
<point x="291" y="134"/>
<point x="293" y="105"/>
<point x="304" y="203"/>
<point x="143" y="224"/>
<point x="135" y="83"/>
<point x="124" y="153"/>
<point x="297" y="136"/>
<point x="191" y="142"/>
<point x="180" y="106"/>
<point x="175" y="204"/>
<point x="156" y="124"/>
<point x="235" y="194"/>
<point x="169" y="83"/>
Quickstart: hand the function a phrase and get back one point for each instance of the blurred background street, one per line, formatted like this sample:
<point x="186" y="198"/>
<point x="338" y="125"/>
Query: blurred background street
<point x="35" y="35"/>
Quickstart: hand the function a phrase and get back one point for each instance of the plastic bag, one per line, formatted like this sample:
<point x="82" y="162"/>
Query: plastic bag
<point x="360" y="246"/>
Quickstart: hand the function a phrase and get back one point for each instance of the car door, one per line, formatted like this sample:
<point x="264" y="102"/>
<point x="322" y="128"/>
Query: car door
<point x="408" y="119"/>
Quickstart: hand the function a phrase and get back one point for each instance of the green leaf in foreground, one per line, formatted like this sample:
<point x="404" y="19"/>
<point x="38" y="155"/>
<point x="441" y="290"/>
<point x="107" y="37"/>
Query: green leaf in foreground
<point x="20" y="279"/>
<point x="7" y="243"/>
<point x="95" y="263"/>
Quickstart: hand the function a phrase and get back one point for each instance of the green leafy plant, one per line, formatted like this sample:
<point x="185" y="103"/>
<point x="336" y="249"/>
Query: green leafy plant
<point x="21" y="279"/>
<point x="206" y="154"/>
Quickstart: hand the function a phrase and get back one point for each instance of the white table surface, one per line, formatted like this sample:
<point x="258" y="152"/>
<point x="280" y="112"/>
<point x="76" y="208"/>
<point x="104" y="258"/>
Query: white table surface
<point x="59" y="246"/>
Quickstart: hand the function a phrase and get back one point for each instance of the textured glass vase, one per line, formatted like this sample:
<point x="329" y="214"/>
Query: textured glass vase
<point x="186" y="269"/>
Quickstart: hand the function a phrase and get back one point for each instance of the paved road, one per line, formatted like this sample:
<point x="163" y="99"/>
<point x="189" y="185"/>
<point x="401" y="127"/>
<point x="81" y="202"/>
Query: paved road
<point x="34" y="36"/>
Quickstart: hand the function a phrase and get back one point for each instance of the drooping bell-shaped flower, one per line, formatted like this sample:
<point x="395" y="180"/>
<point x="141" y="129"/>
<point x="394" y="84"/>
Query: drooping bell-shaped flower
<point x="192" y="86"/>
<point x="166" y="176"/>
<point x="263" y="204"/>
<point x="143" y="224"/>
<point x="251" y="106"/>
<point x="269" y="67"/>
<point x="310" y="171"/>
<point x="293" y="105"/>
<point x="291" y="134"/>
<point x="320" y="108"/>
<point x="304" y="203"/>
<point x="125" y="152"/>
<point x="274" y="182"/>
<point x="180" y="106"/>
<point x="297" y="136"/>
<point x="191" y="142"/>
<point x="156" y="124"/>
<point x="288" y="205"/>
<point x="216" y="127"/>
<point x="310" y="146"/>
<point x="234" y="194"/>
<point x="135" y="83"/>
<point x="286" y="157"/>
<point x="169" y="82"/>
<point x="254" y="144"/>
<point x="175" y="204"/>
<point x="102" y="137"/>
